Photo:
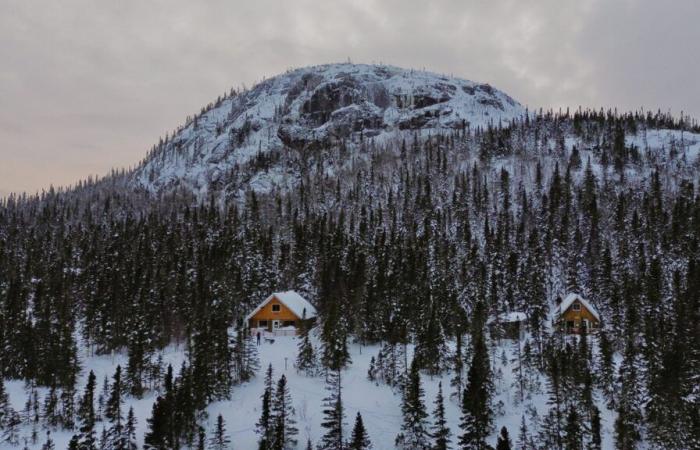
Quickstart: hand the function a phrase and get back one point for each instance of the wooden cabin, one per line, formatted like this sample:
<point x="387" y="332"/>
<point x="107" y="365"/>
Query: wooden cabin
<point x="574" y="313"/>
<point x="510" y="325"/>
<point x="281" y="314"/>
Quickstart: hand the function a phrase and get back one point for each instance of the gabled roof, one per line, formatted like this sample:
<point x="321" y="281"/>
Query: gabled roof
<point x="569" y="300"/>
<point x="295" y="302"/>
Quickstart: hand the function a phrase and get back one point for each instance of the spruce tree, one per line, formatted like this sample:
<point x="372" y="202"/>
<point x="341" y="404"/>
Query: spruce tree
<point x="265" y="425"/>
<point x="595" y="442"/>
<point x="130" y="431"/>
<point x="440" y="432"/>
<point x="372" y="370"/>
<point x="113" y="413"/>
<point x="48" y="445"/>
<point x="573" y="433"/>
<point x="285" y="431"/>
<point x="219" y="440"/>
<point x="414" y="434"/>
<point x="457" y="381"/>
<point x="50" y="412"/>
<point x="155" y="437"/>
<point x="306" y="358"/>
<point x="504" y="442"/>
<point x="477" y="413"/>
<point x="629" y="415"/>
<point x="359" y="440"/>
<point x="524" y="440"/>
<point x="86" y="416"/>
<point x="333" y="414"/>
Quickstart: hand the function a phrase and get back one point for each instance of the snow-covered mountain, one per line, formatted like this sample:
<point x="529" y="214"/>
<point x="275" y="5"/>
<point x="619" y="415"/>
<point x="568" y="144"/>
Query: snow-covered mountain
<point x="310" y="109"/>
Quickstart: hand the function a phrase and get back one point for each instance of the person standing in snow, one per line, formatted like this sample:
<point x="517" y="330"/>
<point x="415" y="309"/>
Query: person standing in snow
<point x="258" y="336"/>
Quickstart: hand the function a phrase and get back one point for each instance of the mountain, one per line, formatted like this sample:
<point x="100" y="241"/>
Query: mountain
<point x="311" y="109"/>
<point x="415" y="236"/>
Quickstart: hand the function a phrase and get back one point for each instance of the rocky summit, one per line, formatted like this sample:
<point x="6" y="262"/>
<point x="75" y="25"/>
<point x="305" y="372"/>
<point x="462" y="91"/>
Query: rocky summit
<point x="310" y="109"/>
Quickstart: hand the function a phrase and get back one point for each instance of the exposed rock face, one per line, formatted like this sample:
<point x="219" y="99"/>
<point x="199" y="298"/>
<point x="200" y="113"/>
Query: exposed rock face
<point x="312" y="108"/>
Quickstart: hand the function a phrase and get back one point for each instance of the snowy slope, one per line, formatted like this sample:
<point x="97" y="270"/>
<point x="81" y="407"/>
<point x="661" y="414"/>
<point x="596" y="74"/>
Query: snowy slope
<point x="379" y="404"/>
<point x="309" y="109"/>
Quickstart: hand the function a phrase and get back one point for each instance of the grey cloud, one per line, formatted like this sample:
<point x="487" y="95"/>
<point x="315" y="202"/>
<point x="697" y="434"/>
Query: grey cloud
<point x="86" y="85"/>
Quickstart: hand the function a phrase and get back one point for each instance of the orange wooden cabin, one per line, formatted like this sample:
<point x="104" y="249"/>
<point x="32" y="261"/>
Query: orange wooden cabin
<point x="574" y="314"/>
<point x="281" y="313"/>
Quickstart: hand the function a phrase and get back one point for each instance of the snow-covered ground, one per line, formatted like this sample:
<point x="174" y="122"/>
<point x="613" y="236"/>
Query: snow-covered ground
<point x="396" y="102"/>
<point x="379" y="404"/>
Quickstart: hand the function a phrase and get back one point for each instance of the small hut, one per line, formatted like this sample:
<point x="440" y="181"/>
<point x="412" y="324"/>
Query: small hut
<point x="508" y="325"/>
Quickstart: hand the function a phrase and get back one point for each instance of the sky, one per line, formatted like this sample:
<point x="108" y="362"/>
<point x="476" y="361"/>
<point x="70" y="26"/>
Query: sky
<point x="87" y="86"/>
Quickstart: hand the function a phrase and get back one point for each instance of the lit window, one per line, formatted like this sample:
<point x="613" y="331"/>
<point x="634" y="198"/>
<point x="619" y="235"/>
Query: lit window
<point x="276" y="308"/>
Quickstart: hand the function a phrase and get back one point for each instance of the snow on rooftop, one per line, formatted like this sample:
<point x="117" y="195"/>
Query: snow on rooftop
<point x="509" y="317"/>
<point x="569" y="300"/>
<point x="292" y="300"/>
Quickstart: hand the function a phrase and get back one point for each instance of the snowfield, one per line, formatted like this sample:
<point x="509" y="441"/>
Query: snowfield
<point x="380" y="405"/>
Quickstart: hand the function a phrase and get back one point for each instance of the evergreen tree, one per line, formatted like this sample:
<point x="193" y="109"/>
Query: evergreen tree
<point x="629" y="415"/>
<point x="86" y="416"/>
<point x="372" y="370"/>
<point x="265" y="425"/>
<point x="219" y="440"/>
<point x="129" y="439"/>
<point x="306" y="358"/>
<point x="48" y="445"/>
<point x="524" y="440"/>
<point x="359" y="440"/>
<point x="595" y="442"/>
<point x="504" y="442"/>
<point x="477" y="413"/>
<point x="113" y="413"/>
<point x="50" y="412"/>
<point x="74" y="443"/>
<point x="333" y="414"/>
<point x="414" y="434"/>
<point x="159" y="425"/>
<point x="573" y="433"/>
<point x="457" y="381"/>
<point x="284" y="433"/>
<point x="440" y="431"/>
<point x="201" y="439"/>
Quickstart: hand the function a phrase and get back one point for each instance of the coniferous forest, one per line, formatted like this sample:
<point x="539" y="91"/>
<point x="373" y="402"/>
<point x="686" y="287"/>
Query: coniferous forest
<point x="415" y="242"/>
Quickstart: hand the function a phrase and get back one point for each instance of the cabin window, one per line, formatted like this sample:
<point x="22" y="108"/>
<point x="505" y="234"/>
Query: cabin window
<point x="576" y="307"/>
<point x="570" y="323"/>
<point x="276" y="307"/>
<point x="262" y="323"/>
<point x="288" y="323"/>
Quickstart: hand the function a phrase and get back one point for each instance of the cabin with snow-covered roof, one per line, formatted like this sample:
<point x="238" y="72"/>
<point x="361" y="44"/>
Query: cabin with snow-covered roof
<point x="574" y="314"/>
<point x="510" y="325"/>
<point x="281" y="313"/>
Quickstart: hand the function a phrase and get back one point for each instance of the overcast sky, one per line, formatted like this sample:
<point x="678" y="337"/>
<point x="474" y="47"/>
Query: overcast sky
<point x="87" y="85"/>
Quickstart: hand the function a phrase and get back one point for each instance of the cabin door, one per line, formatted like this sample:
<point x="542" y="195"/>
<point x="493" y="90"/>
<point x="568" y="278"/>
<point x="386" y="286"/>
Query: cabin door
<point x="275" y="324"/>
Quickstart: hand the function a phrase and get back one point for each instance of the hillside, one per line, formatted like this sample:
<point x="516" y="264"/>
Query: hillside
<point x="411" y="231"/>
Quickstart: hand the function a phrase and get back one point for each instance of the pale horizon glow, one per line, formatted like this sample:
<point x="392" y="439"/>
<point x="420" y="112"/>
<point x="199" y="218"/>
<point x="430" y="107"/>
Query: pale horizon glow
<point x="89" y="86"/>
